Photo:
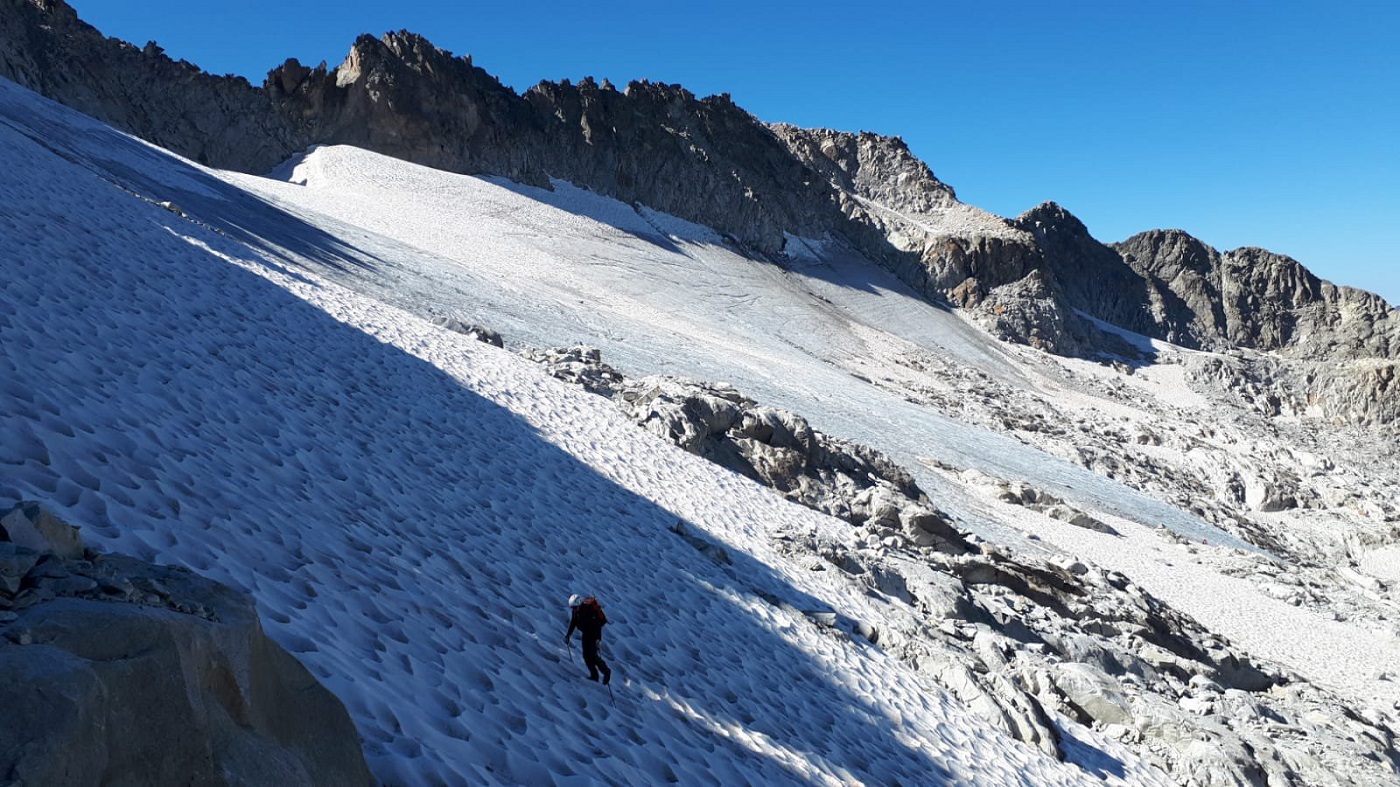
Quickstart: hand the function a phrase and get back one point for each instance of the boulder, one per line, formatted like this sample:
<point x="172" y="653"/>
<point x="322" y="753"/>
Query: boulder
<point x="1092" y="692"/>
<point x="479" y="332"/>
<point x="104" y="693"/>
<point x="32" y="526"/>
<point x="994" y="698"/>
<point x="1078" y="518"/>
<point x="117" y="671"/>
<point x="1199" y="751"/>
<point x="15" y="562"/>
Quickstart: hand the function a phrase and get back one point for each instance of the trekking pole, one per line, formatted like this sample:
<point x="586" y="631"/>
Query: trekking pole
<point x="611" y="697"/>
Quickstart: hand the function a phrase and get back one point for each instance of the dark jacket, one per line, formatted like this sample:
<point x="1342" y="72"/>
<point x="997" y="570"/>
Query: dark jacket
<point x="588" y="621"/>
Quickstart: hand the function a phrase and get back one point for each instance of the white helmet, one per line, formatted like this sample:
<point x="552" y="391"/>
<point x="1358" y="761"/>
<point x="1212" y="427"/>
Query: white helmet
<point x="575" y="600"/>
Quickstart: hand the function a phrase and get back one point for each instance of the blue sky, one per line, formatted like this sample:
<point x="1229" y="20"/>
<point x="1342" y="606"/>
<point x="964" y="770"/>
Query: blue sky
<point x="1244" y="123"/>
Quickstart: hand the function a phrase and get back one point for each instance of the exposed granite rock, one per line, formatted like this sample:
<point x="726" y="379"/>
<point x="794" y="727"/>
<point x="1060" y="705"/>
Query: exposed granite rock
<point x="1091" y="276"/>
<point x="638" y="144"/>
<point x="1253" y="298"/>
<point x="1180" y="278"/>
<point x="1043" y="502"/>
<point x="1032" y="311"/>
<point x="117" y="671"/>
<point x="774" y="447"/>
<point x="401" y="96"/>
<point x="28" y="525"/>
<point x="479" y="332"/>
<point x="1093" y="694"/>
<point x="944" y="249"/>
<point x="222" y="121"/>
<point x="579" y="365"/>
<point x="872" y="167"/>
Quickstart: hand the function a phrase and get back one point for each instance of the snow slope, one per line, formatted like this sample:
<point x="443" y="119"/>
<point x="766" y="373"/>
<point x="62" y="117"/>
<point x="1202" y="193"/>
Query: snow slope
<point x="249" y="383"/>
<point x="409" y="507"/>
<point x="568" y="266"/>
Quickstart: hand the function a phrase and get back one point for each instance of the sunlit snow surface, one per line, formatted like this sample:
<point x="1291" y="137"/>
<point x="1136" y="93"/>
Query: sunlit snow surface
<point x="410" y="507"/>
<point x="252" y="387"/>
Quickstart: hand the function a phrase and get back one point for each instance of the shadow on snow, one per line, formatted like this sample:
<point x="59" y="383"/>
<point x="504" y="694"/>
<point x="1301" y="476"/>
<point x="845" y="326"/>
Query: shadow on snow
<point x="410" y="539"/>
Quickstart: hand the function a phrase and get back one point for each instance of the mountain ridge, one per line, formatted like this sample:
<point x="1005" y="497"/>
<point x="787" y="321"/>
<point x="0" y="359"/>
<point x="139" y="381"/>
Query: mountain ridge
<point x="1028" y="280"/>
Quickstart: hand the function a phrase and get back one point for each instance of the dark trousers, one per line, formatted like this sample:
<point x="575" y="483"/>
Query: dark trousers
<point x="592" y="659"/>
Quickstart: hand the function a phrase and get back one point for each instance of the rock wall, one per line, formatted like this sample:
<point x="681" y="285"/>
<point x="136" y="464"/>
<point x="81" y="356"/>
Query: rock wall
<point x="117" y="671"/>
<point x="401" y="96"/>
<point x="898" y="213"/>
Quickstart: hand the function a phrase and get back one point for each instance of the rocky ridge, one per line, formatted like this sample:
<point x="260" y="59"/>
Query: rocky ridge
<point x="946" y="250"/>
<point x="1252" y="298"/>
<point x="117" y="671"/>
<point x="1023" y="640"/>
<point x="1030" y="280"/>
<point x="219" y="121"/>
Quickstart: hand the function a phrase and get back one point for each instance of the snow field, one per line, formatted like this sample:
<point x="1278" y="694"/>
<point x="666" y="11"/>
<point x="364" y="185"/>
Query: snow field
<point x="409" y="508"/>
<point x="568" y="266"/>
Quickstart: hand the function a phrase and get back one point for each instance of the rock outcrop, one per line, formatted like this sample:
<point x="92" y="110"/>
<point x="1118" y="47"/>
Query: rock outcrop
<point x="776" y="448"/>
<point x="944" y="249"/>
<point x="1011" y="636"/>
<point x="220" y="121"/>
<point x="1252" y="298"/>
<point x="402" y="96"/>
<point x="117" y="671"/>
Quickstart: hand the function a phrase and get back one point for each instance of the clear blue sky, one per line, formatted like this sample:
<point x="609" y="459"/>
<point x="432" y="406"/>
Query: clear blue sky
<point x="1273" y="124"/>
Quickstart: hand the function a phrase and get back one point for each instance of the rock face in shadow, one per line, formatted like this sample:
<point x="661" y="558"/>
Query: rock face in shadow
<point x="402" y="96"/>
<point x="220" y="121"/>
<point x="117" y="671"/>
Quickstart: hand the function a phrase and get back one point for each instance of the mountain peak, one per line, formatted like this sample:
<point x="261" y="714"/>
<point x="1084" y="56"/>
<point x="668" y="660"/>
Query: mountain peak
<point x="1051" y="216"/>
<point x="1161" y="252"/>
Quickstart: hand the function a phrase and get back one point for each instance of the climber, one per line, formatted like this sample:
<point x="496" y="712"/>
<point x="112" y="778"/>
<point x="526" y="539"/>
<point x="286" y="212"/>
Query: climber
<point x="587" y="616"/>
